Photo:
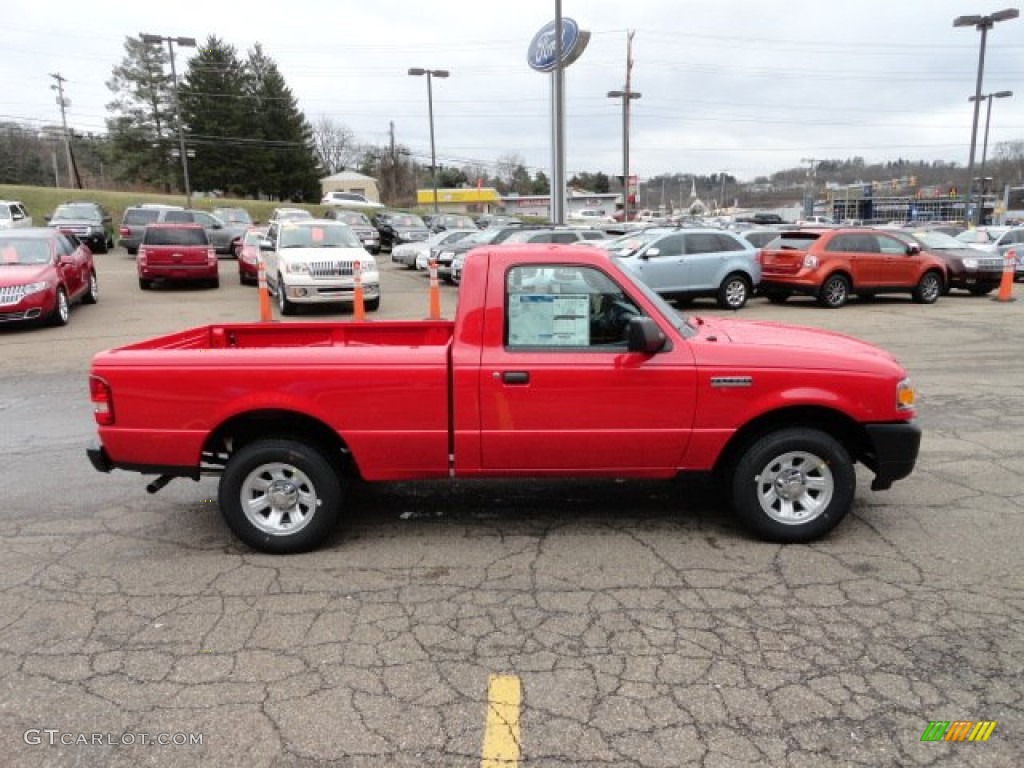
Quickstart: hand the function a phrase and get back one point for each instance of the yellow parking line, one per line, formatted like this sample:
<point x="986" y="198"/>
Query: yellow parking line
<point x="501" y="737"/>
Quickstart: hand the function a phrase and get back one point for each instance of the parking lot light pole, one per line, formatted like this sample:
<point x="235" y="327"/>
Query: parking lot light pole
<point x="182" y="42"/>
<point x="431" y="73"/>
<point x="984" y="144"/>
<point x="983" y="24"/>
<point x="627" y="94"/>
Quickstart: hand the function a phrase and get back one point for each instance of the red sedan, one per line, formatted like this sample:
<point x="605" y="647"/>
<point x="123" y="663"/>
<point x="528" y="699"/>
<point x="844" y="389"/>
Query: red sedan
<point x="42" y="273"/>
<point x="249" y="255"/>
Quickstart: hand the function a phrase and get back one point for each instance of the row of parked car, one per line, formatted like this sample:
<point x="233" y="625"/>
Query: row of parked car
<point x="830" y="264"/>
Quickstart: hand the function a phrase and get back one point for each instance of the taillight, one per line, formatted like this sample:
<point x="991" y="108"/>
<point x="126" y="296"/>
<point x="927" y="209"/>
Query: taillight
<point x="102" y="401"/>
<point x="143" y="256"/>
<point x="211" y="255"/>
<point x="810" y="261"/>
<point x="759" y="257"/>
<point x="125" y="231"/>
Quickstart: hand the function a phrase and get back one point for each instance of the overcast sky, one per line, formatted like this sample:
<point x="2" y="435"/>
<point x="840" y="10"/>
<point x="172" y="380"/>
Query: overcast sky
<point x="748" y="87"/>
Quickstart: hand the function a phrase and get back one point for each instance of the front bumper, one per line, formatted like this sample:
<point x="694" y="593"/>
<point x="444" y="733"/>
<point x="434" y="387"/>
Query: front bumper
<point x="893" y="452"/>
<point x="327" y="293"/>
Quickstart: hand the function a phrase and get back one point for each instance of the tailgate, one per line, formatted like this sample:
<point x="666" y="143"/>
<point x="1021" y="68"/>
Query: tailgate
<point x="781" y="262"/>
<point x="173" y="255"/>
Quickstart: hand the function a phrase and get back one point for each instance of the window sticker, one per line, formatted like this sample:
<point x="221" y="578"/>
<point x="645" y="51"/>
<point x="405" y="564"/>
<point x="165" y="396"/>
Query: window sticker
<point x="318" y="234"/>
<point x="549" y="320"/>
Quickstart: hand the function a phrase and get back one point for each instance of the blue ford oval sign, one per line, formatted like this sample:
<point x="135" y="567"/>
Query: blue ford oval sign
<point x="542" y="55"/>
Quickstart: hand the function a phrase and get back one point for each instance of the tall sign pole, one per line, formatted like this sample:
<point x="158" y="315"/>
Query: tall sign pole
<point x="557" y="45"/>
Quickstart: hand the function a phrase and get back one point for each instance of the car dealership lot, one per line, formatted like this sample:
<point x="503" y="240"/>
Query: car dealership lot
<point x="643" y="626"/>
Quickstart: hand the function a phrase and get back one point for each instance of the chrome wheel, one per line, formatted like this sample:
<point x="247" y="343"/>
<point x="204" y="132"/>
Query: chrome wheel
<point x="795" y="487"/>
<point x="835" y="292"/>
<point x="278" y="498"/>
<point x="929" y="288"/>
<point x="733" y="293"/>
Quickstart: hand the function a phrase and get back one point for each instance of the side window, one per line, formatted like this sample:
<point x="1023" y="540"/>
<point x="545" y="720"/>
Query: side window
<point x="64" y="246"/>
<point x="701" y="242"/>
<point x="20" y="212"/>
<point x="726" y="243"/>
<point x="670" y="245"/>
<point x="840" y="243"/>
<point x="891" y="246"/>
<point x="178" y="217"/>
<point x="865" y="244"/>
<point x="564" y="237"/>
<point x="565" y="306"/>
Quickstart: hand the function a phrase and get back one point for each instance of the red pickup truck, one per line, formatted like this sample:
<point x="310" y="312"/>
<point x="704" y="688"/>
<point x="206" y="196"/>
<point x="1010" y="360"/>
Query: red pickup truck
<point x="558" y="364"/>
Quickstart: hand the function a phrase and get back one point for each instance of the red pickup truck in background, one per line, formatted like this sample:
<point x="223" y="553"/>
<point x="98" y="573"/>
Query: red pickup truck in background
<point x="558" y="364"/>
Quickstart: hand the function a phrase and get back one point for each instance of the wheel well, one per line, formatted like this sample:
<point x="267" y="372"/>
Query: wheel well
<point x="840" y="426"/>
<point x="243" y="429"/>
<point x="841" y="272"/>
<point x="737" y="273"/>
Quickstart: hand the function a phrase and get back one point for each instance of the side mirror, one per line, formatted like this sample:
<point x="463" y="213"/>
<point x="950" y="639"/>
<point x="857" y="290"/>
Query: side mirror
<point x="650" y="252"/>
<point x="913" y="249"/>
<point x="644" y="335"/>
<point x="266" y="245"/>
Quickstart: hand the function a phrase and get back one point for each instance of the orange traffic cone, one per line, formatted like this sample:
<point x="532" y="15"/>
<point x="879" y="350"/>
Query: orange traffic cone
<point x="266" y="315"/>
<point x="1006" y="283"/>
<point x="435" y="292"/>
<point x="358" y="308"/>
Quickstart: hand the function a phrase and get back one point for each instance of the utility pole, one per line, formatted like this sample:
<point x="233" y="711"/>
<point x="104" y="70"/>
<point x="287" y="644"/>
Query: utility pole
<point x="627" y="94"/>
<point x="62" y="102"/>
<point x="809" y="195"/>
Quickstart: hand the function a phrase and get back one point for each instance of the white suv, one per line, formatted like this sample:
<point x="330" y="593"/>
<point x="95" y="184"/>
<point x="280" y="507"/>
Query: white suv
<point x="313" y="261"/>
<point x="352" y="199"/>
<point x="13" y="214"/>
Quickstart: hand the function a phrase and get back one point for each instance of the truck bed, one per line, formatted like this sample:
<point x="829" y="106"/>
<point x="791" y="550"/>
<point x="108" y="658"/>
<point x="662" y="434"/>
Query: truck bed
<point x="399" y="333"/>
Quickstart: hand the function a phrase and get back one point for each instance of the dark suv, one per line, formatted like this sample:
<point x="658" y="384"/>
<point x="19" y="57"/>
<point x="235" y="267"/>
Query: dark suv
<point x="365" y="231"/>
<point x="134" y="221"/>
<point x="89" y="222"/>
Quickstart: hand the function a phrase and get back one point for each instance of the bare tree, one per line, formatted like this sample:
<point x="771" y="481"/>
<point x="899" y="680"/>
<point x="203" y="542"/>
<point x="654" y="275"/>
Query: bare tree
<point x="335" y="145"/>
<point x="506" y="166"/>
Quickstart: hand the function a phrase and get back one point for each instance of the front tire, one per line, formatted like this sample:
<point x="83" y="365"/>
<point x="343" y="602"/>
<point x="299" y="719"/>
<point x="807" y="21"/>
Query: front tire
<point x="734" y="292"/>
<point x="793" y="485"/>
<point x="287" y="307"/>
<point x="835" y="292"/>
<point x="928" y="288"/>
<point x="62" y="309"/>
<point x="92" y="293"/>
<point x="372" y="305"/>
<point x="280" y="496"/>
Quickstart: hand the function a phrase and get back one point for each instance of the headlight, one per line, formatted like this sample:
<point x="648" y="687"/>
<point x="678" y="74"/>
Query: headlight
<point x="970" y="263"/>
<point x="297" y="268"/>
<point x="28" y="290"/>
<point x="905" y="395"/>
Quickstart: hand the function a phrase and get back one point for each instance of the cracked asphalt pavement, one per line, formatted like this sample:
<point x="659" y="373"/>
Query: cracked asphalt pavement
<point x="645" y="627"/>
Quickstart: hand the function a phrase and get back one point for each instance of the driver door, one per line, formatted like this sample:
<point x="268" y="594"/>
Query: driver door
<point x="558" y="397"/>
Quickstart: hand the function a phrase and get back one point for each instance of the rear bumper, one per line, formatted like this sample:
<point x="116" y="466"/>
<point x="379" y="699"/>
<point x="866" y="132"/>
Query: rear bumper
<point x="893" y="452"/>
<point x="101" y="462"/>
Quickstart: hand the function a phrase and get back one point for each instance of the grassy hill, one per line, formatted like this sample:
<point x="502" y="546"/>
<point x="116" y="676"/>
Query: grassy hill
<point x="41" y="201"/>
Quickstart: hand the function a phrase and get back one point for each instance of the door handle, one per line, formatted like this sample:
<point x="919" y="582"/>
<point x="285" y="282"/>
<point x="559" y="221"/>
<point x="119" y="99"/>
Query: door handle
<point x="515" y="377"/>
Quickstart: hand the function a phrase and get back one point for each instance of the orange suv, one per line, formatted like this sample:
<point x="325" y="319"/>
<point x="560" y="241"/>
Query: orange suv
<point x="833" y="264"/>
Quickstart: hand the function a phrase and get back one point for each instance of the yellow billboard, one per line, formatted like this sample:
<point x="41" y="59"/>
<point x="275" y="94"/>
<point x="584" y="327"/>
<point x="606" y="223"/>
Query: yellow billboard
<point x="461" y="196"/>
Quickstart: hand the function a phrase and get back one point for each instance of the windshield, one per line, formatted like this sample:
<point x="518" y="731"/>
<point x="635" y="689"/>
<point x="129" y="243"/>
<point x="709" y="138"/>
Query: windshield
<point x="407" y="220"/>
<point x="175" y="236"/>
<point x="24" y="251"/>
<point x="353" y="217"/>
<point x="977" y="236"/>
<point x="665" y="309"/>
<point x="628" y="244"/>
<point x="76" y="212"/>
<point x="938" y="240"/>
<point x="319" y="236"/>
<point x="232" y="215"/>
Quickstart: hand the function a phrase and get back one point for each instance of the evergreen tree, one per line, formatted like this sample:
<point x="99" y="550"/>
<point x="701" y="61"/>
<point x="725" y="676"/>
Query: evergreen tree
<point x="291" y="170"/>
<point x="216" y="113"/>
<point x="142" y="129"/>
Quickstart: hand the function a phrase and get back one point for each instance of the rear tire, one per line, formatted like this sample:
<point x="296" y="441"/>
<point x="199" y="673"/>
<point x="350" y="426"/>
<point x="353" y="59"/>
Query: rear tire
<point x="280" y="496"/>
<point x="734" y="292"/>
<point x="928" y="288"/>
<point x="835" y="292"/>
<point x="793" y="485"/>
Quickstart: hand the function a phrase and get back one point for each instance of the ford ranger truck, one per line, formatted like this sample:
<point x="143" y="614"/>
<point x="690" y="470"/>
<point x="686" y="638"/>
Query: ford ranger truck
<point x="558" y="364"/>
